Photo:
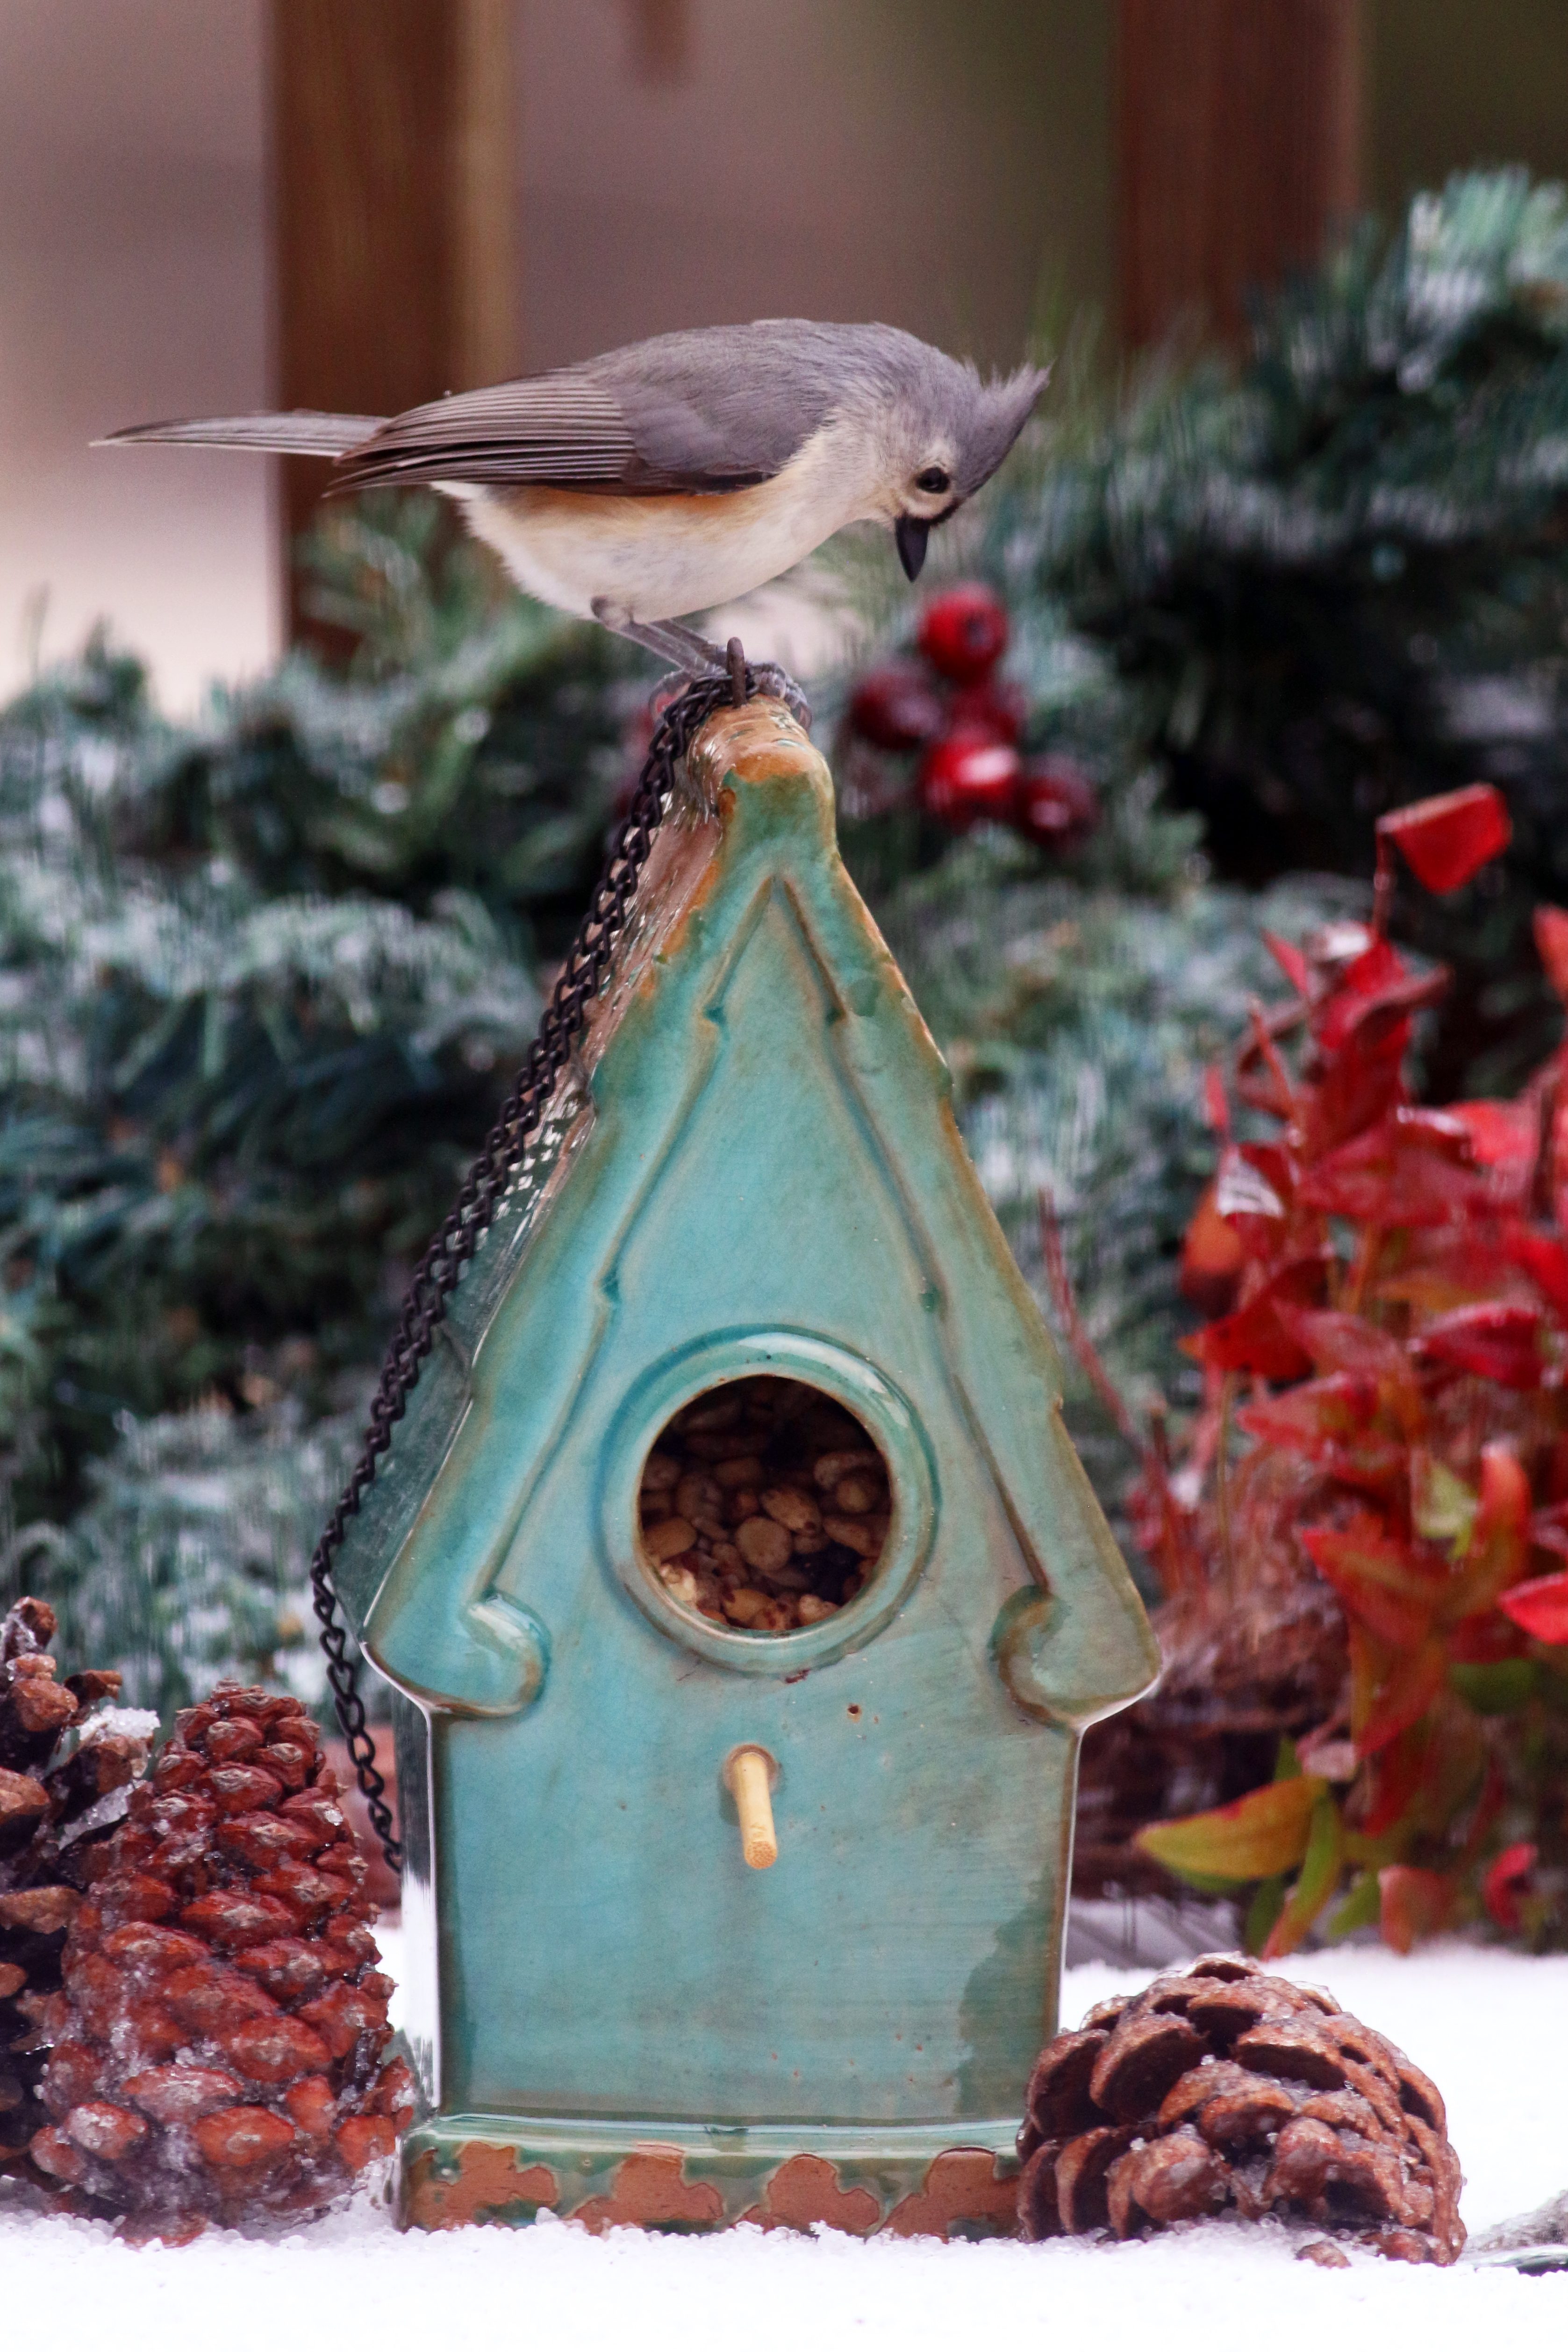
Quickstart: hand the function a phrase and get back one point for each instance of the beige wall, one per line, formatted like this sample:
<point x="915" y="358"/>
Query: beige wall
<point x="941" y="164"/>
<point x="944" y="163"/>
<point x="133" y="268"/>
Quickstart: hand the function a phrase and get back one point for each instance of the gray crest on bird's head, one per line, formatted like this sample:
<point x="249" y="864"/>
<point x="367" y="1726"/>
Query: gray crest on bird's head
<point x="998" y="412"/>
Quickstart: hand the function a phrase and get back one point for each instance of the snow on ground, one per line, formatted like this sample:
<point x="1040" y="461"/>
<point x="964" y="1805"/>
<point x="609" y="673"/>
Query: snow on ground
<point x="1491" y="2028"/>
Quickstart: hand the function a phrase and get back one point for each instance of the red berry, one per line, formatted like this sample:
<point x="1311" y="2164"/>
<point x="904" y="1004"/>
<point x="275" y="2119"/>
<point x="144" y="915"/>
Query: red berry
<point x="963" y="632"/>
<point x="997" y="706"/>
<point x="968" y="776"/>
<point x="895" y="707"/>
<point x="1055" y="804"/>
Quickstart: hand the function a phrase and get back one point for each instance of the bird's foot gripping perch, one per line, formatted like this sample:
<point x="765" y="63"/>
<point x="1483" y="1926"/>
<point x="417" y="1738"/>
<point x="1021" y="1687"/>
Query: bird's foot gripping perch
<point x="697" y="658"/>
<point x="746" y="679"/>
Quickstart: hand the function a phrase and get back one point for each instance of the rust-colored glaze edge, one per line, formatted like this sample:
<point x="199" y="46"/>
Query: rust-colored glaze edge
<point x="963" y="2187"/>
<point x="755" y="743"/>
<point x="678" y="876"/>
<point x="758" y="741"/>
<point x="963" y="2191"/>
<point x="475" y="2181"/>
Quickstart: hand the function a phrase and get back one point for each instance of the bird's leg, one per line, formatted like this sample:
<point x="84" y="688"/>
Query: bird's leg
<point x="697" y="656"/>
<point x="694" y="655"/>
<point x="770" y="678"/>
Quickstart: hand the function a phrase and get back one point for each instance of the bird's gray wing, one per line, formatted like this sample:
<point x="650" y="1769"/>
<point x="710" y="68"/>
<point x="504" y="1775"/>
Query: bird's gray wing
<point x="562" y="429"/>
<point x="712" y="408"/>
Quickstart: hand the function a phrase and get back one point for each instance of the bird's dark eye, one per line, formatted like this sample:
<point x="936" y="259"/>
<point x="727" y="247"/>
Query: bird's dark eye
<point x="935" y="479"/>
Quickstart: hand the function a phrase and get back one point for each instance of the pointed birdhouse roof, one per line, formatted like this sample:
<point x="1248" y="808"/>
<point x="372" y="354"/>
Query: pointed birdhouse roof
<point x="753" y="1165"/>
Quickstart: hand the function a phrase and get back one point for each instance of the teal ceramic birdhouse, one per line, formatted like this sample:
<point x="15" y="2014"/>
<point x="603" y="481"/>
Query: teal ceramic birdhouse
<point x="733" y="1519"/>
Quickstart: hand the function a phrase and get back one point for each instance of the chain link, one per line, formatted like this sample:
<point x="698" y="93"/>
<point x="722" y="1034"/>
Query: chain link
<point x="579" y="981"/>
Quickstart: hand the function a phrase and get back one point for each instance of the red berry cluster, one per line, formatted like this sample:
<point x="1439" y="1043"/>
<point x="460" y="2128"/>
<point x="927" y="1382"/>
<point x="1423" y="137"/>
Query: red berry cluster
<point x="964" y="721"/>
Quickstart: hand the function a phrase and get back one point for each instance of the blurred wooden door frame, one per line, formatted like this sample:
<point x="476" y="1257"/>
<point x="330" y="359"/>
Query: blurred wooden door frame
<point x="394" y="210"/>
<point x="1238" y="127"/>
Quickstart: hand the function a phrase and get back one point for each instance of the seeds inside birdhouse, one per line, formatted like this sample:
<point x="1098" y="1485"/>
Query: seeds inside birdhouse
<point x="765" y="1505"/>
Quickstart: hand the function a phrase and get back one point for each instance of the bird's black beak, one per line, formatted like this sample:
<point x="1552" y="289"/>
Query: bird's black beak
<point x="911" y="534"/>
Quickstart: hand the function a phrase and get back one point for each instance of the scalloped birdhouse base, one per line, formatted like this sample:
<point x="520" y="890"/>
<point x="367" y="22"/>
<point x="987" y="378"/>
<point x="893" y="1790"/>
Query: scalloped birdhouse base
<point x="903" y="2179"/>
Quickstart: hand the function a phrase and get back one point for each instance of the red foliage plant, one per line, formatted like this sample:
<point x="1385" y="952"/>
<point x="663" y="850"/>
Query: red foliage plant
<point x="1385" y="1406"/>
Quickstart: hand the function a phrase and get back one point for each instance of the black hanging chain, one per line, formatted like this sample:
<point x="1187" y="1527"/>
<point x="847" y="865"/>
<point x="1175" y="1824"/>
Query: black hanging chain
<point x="579" y="981"/>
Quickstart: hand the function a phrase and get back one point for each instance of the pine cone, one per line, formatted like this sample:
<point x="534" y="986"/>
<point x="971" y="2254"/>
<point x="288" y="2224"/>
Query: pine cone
<point x="55" y="1814"/>
<point x="217" y="2052"/>
<point x="1225" y="2087"/>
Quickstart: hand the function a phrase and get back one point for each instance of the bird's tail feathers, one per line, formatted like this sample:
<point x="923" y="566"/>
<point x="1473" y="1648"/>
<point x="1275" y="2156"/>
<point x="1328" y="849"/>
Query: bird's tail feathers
<point x="298" y="433"/>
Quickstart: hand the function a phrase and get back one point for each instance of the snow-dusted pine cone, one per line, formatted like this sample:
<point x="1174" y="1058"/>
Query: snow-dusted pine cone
<point x="66" y="1765"/>
<point x="217" y="2050"/>
<point x="1222" y="2086"/>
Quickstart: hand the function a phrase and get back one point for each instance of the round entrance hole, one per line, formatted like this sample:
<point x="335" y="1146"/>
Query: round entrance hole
<point x="763" y="1506"/>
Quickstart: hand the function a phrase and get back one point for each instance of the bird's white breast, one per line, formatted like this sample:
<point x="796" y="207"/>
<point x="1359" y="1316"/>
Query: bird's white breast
<point x="659" y="557"/>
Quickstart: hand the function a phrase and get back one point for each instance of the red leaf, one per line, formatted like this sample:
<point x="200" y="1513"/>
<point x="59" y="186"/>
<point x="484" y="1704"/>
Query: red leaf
<point x="1505" y="1494"/>
<point x="1253" y="1339"/>
<point x="1274" y="1164"/>
<point x="1363" y="1029"/>
<point x="1290" y="960"/>
<point x="1504" y="1883"/>
<point x="1391" y="1782"/>
<point x="1314" y="1414"/>
<point x="1487" y="1640"/>
<point x="1216" y="1109"/>
<point x="1212" y="1258"/>
<point x="1329" y="1422"/>
<point x="1446" y="840"/>
<point x="1374" y="1020"/>
<point x="1500" y="1343"/>
<point x="1356" y="1091"/>
<point x="1377" y="976"/>
<point x="1545" y="1258"/>
<point x="1338" y="1342"/>
<point x="1248" y="1195"/>
<point x="1539" y="1607"/>
<point x="1415" y="1903"/>
<point x="1441" y="1267"/>
<point x="1501" y="1135"/>
<point x="1551" y="946"/>
<point x="1391" y="1685"/>
<point x="1499" y="1540"/>
<point x="1412" y="1169"/>
<point x="1379" y="1582"/>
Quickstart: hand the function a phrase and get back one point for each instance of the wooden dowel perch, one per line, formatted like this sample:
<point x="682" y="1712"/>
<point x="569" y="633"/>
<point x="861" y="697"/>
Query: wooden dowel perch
<point x="750" y="1774"/>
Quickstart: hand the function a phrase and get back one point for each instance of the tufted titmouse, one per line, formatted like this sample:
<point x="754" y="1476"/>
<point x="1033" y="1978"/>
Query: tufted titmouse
<point x="678" y="473"/>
